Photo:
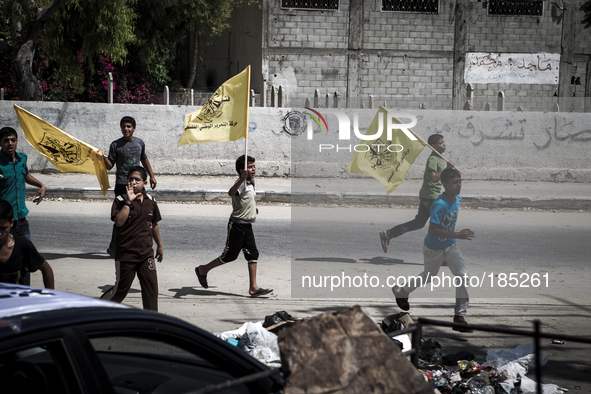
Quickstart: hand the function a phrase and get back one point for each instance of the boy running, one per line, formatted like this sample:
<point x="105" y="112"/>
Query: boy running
<point x="430" y="190"/>
<point x="240" y="235"/>
<point x="441" y="247"/>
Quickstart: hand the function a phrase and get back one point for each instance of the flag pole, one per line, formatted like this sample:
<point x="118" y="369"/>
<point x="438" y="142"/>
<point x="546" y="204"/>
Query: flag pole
<point x="438" y="154"/>
<point x="447" y="161"/>
<point x="247" y="120"/>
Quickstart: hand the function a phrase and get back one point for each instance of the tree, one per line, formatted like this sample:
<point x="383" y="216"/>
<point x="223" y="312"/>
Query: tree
<point x="67" y="29"/>
<point x="26" y="26"/>
<point x="167" y="25"/>
<point x="586" y="8"/>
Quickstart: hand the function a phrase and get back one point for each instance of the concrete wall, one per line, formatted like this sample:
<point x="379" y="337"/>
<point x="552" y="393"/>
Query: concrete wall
<point x="518" y="146"/>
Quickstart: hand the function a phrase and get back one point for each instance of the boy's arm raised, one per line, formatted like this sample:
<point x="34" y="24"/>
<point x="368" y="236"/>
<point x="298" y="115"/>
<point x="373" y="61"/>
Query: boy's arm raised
<point x="159" y="249"/>
<point x="234" y="189"/>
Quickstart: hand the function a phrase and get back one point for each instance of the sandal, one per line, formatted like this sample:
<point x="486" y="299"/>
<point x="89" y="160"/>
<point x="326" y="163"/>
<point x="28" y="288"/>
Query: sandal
<point x="261" y="292"/>
<point x="385" y="240"/>
<point x="202" y="278"/>
<point x="401" y="298"/>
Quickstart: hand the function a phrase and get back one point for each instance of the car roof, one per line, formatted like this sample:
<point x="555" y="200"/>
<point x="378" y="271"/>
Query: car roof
<point x="21" y="300"/>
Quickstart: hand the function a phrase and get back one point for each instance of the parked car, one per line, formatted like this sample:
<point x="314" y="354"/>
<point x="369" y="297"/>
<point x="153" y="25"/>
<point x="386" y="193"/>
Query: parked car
<point x="56" y="342"/>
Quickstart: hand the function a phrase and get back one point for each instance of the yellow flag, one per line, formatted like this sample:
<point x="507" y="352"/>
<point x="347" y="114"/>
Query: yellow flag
<point x="65" y="152"/>
<point x="225" y="115"/>
<point x="386" y="160"/>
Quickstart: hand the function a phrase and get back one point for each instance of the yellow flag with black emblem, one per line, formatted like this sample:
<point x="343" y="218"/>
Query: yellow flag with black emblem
<point x="66" y="153"/>
<point x="225" y="115"/>
<point x="387" y="160"/>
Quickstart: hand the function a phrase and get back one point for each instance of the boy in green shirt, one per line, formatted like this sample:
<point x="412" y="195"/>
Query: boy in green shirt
<point x="430" y="190"/>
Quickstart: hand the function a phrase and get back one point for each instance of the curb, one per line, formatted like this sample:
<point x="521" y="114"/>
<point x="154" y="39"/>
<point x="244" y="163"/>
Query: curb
<point x="172" y="195"/>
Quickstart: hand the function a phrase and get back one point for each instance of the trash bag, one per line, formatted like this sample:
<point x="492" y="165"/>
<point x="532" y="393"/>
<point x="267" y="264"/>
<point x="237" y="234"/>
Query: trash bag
<point x="260" y="344"/>
<point x="431" y="352"/>
<point x="276" y="318"/>
<point x="529" y="386"/>
<point x="517" y="353"/>
<point x="452" y="359"/>
<point x="513" y="371"/>
<point x="396" y="322"/>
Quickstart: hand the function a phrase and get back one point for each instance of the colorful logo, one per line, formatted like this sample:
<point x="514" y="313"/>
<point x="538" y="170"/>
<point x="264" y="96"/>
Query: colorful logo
<point x="316" y="119"/>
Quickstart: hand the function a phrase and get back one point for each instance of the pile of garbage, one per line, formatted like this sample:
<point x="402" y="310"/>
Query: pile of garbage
<point x="258" y="339"/>
<point x="502" y="373"/>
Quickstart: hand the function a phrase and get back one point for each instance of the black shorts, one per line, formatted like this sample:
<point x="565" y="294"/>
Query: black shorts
<point x="240" y="237"/>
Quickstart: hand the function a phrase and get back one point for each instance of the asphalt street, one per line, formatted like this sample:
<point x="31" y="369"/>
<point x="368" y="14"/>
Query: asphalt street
<point x="73" y="238"/>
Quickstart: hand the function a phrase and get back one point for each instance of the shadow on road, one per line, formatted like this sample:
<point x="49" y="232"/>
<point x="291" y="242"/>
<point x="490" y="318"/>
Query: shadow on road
<point x="372" y="260"/>
<point x="185" y="291"/>
<point x="87" y="256"/>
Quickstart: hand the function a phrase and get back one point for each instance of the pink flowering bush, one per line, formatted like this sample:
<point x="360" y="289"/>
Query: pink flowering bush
<point x="130" y="84"/>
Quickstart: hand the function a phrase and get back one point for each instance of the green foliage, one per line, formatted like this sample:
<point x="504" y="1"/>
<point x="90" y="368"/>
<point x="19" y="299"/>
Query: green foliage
<point x="142" y="41"/>
<point x="90" y="27"/>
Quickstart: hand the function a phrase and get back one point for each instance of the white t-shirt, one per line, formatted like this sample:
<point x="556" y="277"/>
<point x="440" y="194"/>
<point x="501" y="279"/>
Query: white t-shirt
<point x="244" y="209"/>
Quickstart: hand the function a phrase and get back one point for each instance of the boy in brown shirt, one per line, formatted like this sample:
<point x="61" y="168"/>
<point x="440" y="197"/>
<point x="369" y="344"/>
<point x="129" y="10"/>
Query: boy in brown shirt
<point x="136" y="216"/>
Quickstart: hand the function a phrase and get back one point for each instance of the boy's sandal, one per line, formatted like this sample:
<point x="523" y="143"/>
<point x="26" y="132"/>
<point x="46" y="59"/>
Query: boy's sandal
<point x="385" y="241"/>
<point x="261" y="292"/>
<point x="202" y="278"/>
<point x="401" y="298"/>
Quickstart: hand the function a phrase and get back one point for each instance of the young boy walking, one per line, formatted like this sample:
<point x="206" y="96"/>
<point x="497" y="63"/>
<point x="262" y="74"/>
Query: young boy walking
<point x="136" y="216"/>
<point x="430" y="190"/>
<point x="126" y="152"/>
<point x="240" y="235"/>
<point x="441" y="247"/>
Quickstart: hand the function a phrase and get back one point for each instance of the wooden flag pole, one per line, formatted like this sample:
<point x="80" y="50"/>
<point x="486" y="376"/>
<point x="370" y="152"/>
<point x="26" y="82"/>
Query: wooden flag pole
<point x="246" y="125"/>
<point x="440" y="155"/>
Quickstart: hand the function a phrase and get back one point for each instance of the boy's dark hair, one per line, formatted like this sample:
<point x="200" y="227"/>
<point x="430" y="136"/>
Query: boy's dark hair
<point x="434" y="138"/>
<point x="127" y="119"/>
<point x="448" y="174"/>
<point x="139" y="169"/>
<point x="240" y="163"/>
<point x="4" y="131"/>
<point x="6" y="211"/>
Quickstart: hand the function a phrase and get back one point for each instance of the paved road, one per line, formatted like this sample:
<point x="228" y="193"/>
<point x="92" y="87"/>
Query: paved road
<point x="73" y="236"/>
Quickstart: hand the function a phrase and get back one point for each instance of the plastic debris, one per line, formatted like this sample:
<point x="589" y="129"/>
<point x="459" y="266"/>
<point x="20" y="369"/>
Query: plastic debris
<point x="517" y="353"/>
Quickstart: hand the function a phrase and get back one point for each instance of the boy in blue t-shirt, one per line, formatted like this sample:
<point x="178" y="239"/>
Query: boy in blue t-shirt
<point x="441" y="247"/>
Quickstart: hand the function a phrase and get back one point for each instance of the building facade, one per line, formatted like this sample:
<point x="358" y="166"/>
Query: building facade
<point x="413" y="51"/>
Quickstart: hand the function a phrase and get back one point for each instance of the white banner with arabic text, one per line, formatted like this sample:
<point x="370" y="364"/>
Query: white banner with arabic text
<point x="521" y="68"/>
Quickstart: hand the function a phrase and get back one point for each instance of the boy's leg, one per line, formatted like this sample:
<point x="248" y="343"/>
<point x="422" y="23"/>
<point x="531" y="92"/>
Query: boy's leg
<point x="418" y="222"/>
<point x="251" y="254"/>
<point x="252" y="277"/>
<point x="457" y="266"/>
<point x="432" y="262"/>
<point x="146" y="273"/>
<point x="124" y="276"/>
<point x="21" y="228"/>
<point x="234" y="241"/>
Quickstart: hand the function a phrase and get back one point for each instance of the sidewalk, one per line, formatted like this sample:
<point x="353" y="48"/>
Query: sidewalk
<point x="360" y="191"/>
